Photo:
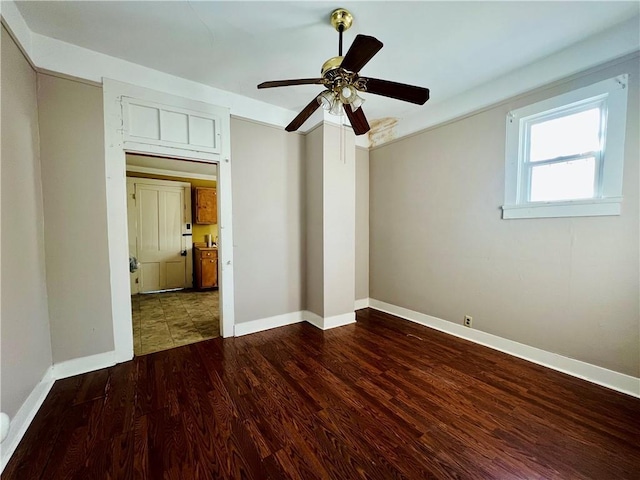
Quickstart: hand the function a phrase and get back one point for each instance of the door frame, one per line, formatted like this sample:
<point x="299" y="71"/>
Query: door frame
<point x="187" y="245"/>
<point x="115" y="165"/>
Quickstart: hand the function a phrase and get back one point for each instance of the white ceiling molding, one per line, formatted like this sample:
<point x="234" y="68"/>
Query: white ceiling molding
<point x="51" y="55"/>
<point x="324" y="116"/>
<point x="64" y="58"/>
<point x="596" y="50"/>
<point x="17" y="26"/>
<point x="61" y="57"/>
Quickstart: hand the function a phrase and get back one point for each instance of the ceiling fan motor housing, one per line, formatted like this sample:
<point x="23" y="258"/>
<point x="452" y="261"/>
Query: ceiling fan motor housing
<point x="330" y="67"/>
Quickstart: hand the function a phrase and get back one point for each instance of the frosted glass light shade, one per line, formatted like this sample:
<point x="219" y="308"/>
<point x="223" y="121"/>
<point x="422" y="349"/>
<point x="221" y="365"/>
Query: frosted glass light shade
<point x="348" y="94"/>
<point x="326" y="99"/>
<point x="336" y="107"/>
<point x="357" y="103"/>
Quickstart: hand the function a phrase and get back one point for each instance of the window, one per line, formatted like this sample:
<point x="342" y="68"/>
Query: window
<point x="564" y="155"/>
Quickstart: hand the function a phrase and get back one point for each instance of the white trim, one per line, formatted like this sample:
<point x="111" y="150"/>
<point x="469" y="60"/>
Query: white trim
<point x="78" y="366"/>
<point x="262" y="324"/>
<point x="12" y="19"/>
<point x="610" y="97"/>
<point x="341" y="120"/>
<point x="162" y="111"/>
<point x="51" y="55"/>
<point x="25" y="415"/>
<point x="170" y="152"/>
<point x="577" y="208"/>
<point x="314" y="319"/>
<point x="596" y="50"/>
<point x="339" y="320"/>
<point x="586" y="371"/>
<point x="268" y="323"/>
<point x="169" y="173"/>
<point x="4" y="426"/>
<point x="54" y="55"/>
<point x="115" y="166"/>
<point x="27" y="412"/>
<point x="327" y="323"/>
<point x="361" y="303"/>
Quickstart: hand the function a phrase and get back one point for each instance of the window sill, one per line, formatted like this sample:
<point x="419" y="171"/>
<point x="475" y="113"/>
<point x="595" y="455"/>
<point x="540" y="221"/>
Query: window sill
<point x="575" y="208"/>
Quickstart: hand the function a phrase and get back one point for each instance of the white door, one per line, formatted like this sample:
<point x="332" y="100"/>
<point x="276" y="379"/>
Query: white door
<point x="160" y="245"/>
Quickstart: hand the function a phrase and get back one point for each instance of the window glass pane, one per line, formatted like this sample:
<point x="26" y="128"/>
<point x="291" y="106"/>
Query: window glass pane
<point x="563" y="181"/>
<point x="569" y="135"/>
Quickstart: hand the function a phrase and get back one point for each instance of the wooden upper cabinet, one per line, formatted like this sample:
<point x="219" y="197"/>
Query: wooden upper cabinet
<point x="206" y="205"/>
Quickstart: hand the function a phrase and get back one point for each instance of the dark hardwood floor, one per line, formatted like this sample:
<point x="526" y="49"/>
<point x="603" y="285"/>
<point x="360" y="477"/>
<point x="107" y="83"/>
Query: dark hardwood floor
<point x="380" y="399"/>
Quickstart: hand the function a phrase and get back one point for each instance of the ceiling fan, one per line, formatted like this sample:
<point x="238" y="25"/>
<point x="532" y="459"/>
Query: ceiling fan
<point x="340" y="77"/>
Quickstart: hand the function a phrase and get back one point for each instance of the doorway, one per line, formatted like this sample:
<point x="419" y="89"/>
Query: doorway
<point x="141" y="120"/>
<point x="169" y="307"/>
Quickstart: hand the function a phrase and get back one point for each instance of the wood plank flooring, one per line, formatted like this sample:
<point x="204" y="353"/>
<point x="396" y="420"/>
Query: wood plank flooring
<point x="380" y="399"/>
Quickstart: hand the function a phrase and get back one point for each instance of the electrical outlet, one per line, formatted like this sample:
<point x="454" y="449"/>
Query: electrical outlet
<point x="468" y="321"/>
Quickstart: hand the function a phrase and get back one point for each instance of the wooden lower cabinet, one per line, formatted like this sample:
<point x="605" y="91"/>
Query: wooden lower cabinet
<point x="206" y="267"/>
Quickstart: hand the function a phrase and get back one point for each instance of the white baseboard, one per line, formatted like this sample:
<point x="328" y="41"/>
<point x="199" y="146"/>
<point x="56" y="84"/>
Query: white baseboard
<point x="21" y="420"/>
<point x="339" y="320"/>
<point x="361" y="303"/>
<point x="586" y="371"/>
<point x="314" y="319"/>
<point x="77" y="366"/>
<point x="329" y="322"/>
<point x="268" y="323"/>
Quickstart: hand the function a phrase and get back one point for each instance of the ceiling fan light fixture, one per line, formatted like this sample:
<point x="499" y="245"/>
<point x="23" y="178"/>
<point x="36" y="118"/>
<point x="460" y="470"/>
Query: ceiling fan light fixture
<point x="357" y="103"/>
<point x="347" y="94"/>
<point x="336" y="106"/>
<point x="326" y="100"/>
<point x="340" y="75"/>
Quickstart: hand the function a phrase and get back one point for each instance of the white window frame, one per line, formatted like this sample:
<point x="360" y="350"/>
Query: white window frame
<point x="611" y="96"/>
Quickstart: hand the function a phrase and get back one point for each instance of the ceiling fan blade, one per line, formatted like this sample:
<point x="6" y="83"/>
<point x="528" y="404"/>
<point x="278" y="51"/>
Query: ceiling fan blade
<point x="357" y="119"/>
<point x="306" y="112"/>
<point x="285" y="83"/>
<point x="361" y="51"/>
<point x="399" y="91"/>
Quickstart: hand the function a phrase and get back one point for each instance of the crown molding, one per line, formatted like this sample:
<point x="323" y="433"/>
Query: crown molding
<point x="64" y="59"/>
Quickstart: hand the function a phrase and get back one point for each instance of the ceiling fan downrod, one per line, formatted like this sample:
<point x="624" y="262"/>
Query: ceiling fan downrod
<point x="341" y="20"/>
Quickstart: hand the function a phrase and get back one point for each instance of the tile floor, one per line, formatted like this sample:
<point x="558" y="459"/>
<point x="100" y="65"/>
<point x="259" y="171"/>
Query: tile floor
<point x="166" y="320"/>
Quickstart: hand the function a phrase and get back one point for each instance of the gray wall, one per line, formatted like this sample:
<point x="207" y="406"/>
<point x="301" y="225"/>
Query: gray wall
<point x="338" y="213"/>
<point x="24" y="335"/>
<point x="75" y="212"/>
<point x="362" y="223"/>
<point x="314" y="221"/>
<point x="330" y="186"/>
<point x="268" y="220"/>
<point x="440" y="247"/>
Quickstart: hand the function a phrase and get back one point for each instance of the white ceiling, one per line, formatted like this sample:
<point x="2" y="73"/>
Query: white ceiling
<point x="449" y="47"/>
